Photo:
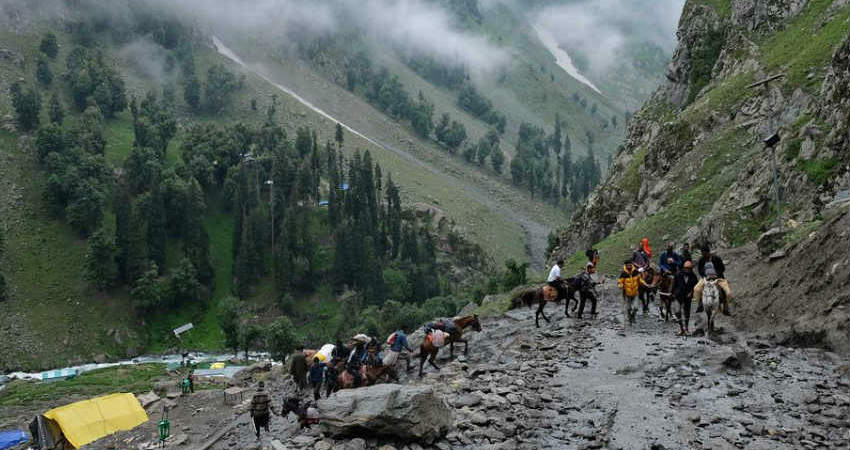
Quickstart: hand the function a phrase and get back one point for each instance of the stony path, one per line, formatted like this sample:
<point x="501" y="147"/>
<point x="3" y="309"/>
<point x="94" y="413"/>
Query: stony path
<point x="588" y="384"/>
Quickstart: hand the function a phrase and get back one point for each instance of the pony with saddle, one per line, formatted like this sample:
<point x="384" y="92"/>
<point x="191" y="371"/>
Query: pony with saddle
<point x="369" y="375"/>
<point x="546" y="294"/>
<point x="444" y="333"/>
<point x="710" y="304"/>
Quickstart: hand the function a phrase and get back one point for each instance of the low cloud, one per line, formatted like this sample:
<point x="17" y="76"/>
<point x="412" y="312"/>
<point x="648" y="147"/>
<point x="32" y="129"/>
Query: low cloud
<point x="603" y="28"/>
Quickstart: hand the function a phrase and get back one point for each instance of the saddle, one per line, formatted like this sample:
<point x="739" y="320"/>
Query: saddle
<point x="550" y="294"/>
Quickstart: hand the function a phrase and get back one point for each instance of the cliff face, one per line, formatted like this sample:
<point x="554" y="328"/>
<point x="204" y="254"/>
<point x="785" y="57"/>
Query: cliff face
<point x="693" y="166"/>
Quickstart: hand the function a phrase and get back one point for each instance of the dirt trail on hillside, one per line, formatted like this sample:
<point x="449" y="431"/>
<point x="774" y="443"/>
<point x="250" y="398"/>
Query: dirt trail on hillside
<point x="580" y="384"/>
<point x="536" y="233"/>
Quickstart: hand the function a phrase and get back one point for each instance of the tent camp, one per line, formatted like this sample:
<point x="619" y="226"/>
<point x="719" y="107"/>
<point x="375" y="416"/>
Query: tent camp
<point x="74" y="425"/>
<point x="9" y="439"/>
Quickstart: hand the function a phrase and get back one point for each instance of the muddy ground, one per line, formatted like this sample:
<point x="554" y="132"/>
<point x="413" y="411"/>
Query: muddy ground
<point x="577" y="384"/>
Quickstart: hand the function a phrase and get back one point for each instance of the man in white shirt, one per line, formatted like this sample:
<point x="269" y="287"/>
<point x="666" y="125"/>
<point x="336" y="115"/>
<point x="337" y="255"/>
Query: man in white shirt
<point x="555" y="281"/>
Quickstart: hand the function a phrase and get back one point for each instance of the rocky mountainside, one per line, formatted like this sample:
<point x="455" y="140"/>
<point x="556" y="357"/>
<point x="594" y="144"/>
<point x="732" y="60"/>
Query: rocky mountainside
<point x="694" y="166"/>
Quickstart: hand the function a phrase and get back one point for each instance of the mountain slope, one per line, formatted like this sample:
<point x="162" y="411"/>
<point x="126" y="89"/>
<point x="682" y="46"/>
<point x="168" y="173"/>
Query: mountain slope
<point x="694" y="168"/>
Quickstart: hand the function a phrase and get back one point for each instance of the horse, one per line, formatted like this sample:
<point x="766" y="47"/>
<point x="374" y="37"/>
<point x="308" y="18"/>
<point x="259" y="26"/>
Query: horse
<point x="546" y="294"/>
<point x="665" y="291"/>
<point x="369" y="375"/>
<point x="428" y="351"/>
<point x="306" y="414"/>
<point x="710" y="304"/>
<point x="651" y="277"/>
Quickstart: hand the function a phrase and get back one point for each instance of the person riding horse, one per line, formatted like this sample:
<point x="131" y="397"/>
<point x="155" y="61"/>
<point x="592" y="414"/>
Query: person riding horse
<point x="554" y="280"/>
<point x="711" y="266"/>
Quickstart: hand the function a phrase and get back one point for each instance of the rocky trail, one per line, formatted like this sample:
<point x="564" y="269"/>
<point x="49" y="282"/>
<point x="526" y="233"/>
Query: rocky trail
<point x="571" y="384"/>
<point x="576" y="384"/>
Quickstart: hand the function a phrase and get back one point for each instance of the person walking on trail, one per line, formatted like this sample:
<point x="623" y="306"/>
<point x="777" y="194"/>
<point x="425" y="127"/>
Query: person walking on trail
<point x="298" y="367"/>
<point x="191" y="378"/>
<point x="685" y="254"/>
<point x="317" y="375"/>
<point x="554" y="279"/>
<point x="669" y="259"/>
<point x="587" y="290"/>
<point x="711" y="266"/>
<point x="398" y="343"/>
<point x="640" y="258"/>
<point x="260" y="409"/>
<point x="683" y="291"/>
<point x="629" y="281"/>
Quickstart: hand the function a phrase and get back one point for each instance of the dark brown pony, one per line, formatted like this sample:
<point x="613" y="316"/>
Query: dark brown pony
<point x="369" y="375"/>
<point x="665" y="293"/>
<point x="428" y="351"/>
<point x="541" y="296"/>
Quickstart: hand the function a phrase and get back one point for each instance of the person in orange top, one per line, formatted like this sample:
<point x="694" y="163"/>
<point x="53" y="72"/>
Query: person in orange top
<point x="645" y="244"/>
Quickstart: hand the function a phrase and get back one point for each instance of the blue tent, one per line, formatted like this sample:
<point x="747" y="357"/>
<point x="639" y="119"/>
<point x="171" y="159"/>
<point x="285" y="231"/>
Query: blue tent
<point x="343" y="186"/>
<point x="12" y="438"/>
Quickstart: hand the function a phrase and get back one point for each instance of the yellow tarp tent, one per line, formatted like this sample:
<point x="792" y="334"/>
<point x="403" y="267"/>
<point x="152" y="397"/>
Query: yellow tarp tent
<point x="218" y="365"/>
<point x="89" y="420"/>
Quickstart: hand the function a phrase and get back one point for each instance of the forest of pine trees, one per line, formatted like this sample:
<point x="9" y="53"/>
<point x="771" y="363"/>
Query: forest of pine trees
<point x="566" y="177"/>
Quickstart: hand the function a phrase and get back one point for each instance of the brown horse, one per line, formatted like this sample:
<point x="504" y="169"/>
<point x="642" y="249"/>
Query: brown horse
<point x="546" y="294"/>
<point x="428" y="351"/>
<point x="665" y="292"/>
<point x="369" y="375"/>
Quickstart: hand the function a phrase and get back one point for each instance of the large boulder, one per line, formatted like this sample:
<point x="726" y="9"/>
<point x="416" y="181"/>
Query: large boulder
<point x="410" y="413"/>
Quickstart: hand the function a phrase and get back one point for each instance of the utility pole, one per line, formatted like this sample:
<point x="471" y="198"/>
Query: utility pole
<point x="771" y="141"/>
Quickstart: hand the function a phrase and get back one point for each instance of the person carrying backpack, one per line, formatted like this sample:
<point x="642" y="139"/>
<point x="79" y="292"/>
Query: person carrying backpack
<point x="260" y="409"/>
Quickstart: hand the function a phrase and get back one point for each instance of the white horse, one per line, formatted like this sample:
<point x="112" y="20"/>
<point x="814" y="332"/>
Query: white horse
<point x="710" y="304"/>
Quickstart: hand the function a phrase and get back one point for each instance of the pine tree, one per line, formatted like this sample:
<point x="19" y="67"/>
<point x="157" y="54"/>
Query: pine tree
<point x="228" y="320"/>
<point x="100" y="268"/>
<point x="497" y="159"/>
<point x="49" y="46"/>
<point x="339" y="136"/>
<point x="556" y="136"/>
<point x="56" y="112"/>
<point x="43" y="73"/>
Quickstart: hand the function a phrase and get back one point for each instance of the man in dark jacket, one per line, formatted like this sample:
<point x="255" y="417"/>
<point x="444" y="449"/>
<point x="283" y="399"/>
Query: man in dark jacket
<point x="260" y="409"/>
<point x="298" y="368"/>
<point x="355" y="361"/>
<point x="586" y="289"/>
<point x="669" y="259"/>
<point x="317" y="375"/>
<point x="683" y="290"/>
<point x="640" y="258"/>
<point x="686" y="252"/>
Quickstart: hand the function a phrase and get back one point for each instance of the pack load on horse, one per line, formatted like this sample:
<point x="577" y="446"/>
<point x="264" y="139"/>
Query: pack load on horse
<point x="398" y="347"/>
<point x="428" y="349"/>
<point x="710" y="304"/>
